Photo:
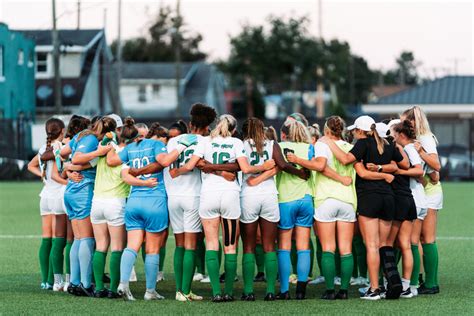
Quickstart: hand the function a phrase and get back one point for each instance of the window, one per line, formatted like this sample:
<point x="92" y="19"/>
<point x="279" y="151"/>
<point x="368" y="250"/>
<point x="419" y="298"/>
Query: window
<point x="156" y="91"/>
<point x="142" y="93"/>
<point x="1" y="61"/>
<point x="42" y="62"/>
<point x="21" y="57"/>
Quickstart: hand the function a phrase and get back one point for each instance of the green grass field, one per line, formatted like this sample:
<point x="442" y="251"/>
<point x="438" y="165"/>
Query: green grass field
<point x="19" y="271"/>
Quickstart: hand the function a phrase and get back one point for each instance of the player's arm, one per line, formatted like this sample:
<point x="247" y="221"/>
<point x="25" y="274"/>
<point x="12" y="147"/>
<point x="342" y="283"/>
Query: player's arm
<point x="153" y="167"/>
<point x="281" y="163"/>
<point x="416" y="171"/>
<point x="113" y="159"/>
<point x="405" y="162"/>
<point x="131" y="180"/>
<point x="207" y="167"/>
<point x="317" y="164"/>
<point x="332" y="174"/>
<point x="166" y="159"/>
<point x="387" y="168"/>
<point x="81" y="158"/>
<point x="56" y="176"/>
<point x="34" y="168"/>
<point x="65" y="151"/>
<point x="257" y="179"/>
<point x="342" y="156"/>
<point x="371" y="175"/>
<point x="73" y="167"/>
<point x="247" y="168"/>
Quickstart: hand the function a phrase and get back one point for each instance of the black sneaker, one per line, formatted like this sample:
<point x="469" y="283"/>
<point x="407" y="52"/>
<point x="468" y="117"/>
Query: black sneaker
<point x="87" y="291"/>
<point x="217" y="299"/>
<point x="283" y="296"/>
<point x="393" y="291"/>
<point x="102" y="293"/>
<point x="422" y="290"/>
<point x="113" y="295"/>
<point x="329" y="295"/>
<point x="301" y="290"/>
<point x="260" y="277"/>
<point x="248" y="297"/>
<point x="342" y="295"/>
<point x="269" y="297"/>
<point x="228" y="298"/>
<point x="420" y="279"/>
<point x="407" y="293"/>
<point x="72" y="289"/>
<point x="371" y="295"/>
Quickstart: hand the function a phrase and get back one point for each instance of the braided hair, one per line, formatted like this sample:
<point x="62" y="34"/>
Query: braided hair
<point x="53" y="127"/>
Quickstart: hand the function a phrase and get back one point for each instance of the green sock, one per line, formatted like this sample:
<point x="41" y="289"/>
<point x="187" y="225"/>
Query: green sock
<point x="416" y="265"/>
<point x="230" y="267"/>
<point x="162" y="258"/>
<point x="50" y="268"/>
<point x="189" y="259"/>
<point x="319" y="255"/>
<point x="361" y="252"/>
<point x="260" y="258"/>
<point x="329" y="268"/>
<point x="430" y="262"/>
<point x="201" y="257"/>
<point x="347" y="265"/>
<point x="44" y="252"/>
<point x="311" y="257"/>
<point x="248" y="271"/>
<point x="436" y="266"/>
<point x="293" y="256"/>
<point x="57" y="251"/>
<point x="114" y="268"/>
<point x="67" y="252"/>
<point x="178" y="267"/>
<point x="144" y="251"/>
<point x="212" y="263"/>
<point x="271" y="270"/>
<point x="98" y="266"/>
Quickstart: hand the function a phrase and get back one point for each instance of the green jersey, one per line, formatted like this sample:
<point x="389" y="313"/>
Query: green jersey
<point x="108" y="181"/>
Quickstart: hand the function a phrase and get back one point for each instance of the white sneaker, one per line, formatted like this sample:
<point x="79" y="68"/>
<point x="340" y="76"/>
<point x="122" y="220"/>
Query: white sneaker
<point x="124" y="291"/>
<point x="317" y="280"/>
<point x="206" y="280"/>
<point x="414" y="290"/>
<point x="66" y="282"/>
<point x="58" y="287"/>
<point x="194" y="297"/>
<point x="354" y="281"/>
<point x="337" y="281"/>
<point x="152" y="295"/>
<point x="160" y="276"/>
<point x="180" y="297"/>
<point x="133" y="275"/>
<point x="198" y="277"/>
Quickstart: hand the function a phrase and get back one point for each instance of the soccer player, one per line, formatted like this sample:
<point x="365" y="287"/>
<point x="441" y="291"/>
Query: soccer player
<point x="426" y="147"/>
<point x="296" y="211"/>
<point x="219" y="201"/>
<point x="375" y="200"/>
<point x="259" y="205"/>
<point x="335" y="207"/>
<point x="78" y="201"/>
<point x="53" y="215"/>
<point x="146" y="211"/>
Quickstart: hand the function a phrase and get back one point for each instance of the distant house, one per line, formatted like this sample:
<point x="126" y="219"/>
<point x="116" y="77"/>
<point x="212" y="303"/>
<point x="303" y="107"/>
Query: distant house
<point x="87" y="75"/>
<point x="148" y="90"/>
<point x="449" y="104"/>
<point x="17" y="97"/>
<point x="382" y="91"/>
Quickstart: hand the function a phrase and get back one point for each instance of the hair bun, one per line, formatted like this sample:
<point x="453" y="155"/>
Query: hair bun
<point x="129" y="121"/>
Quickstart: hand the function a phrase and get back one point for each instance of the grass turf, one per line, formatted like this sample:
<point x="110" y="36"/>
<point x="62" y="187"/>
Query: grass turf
<point x="20" y="278"/>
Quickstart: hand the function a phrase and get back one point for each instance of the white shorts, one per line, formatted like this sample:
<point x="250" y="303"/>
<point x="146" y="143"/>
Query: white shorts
<point x="434" y="201"/>
<point x="52" y="206"/>
<point x="225" y="204"/>
<point x="255" y="206"/>
<point x="184" y="214"/>
<point x="109" y="211"/>
<point x="332" y="210"/>
<point x="421" y="213"/>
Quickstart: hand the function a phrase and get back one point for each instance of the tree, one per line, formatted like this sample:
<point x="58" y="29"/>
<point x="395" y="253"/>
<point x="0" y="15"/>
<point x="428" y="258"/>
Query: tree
<point x="159" y="44"/>
<point x="406" y="72"/>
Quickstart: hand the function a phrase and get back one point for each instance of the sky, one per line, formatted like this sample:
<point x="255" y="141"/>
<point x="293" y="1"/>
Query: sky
<point x="440" y="33"/>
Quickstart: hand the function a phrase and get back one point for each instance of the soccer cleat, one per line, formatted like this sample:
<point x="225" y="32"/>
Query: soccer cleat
<point x="89" y="291"/>
<point x="317" y="280"/>
<point x="260" y="277"/>
<point x="407" y="294"/>
<point x="160" y="276"/>
<point x="269" y="297"/>
<point x="152" y="295"/>
<point x="301" y="290"/>
<point x="217" y="299"/>
<point x="71" y="289"/>
<point x="248" y="297"/>
<point x="113" y="295"/>
<point x="414" y="290"/>
<point x="283" y="296"/>
<point x="206" y="280"/>
<point x="228" y="298"/>
<point x="329" y="295"/>
<point x="124" y="291"/>
<point x="180" y="297"/>
<point x="371" y="295"/>
<point x="422" y="290"/>
<point x="198" y="277"/>
<point x="354" y="281"/>
<point x="362" y="290"/>
<point x="337" y="281"/>
<point x="194" y="297"/>
<point x="102" y="293"/>
<point x="293" y="278"/>
<point x="342" y="295"/>
<point x="133" y="275"/>
<point x="58" y="287"/>
<point x="66" y="282"/>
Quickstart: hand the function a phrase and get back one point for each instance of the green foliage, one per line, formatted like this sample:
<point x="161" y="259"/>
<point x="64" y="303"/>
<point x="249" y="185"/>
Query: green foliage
<point x="406" y="71"/>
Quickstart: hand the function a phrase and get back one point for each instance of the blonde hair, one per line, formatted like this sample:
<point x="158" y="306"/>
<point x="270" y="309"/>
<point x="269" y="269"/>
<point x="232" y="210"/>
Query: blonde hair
<point x="296" y="132"/>
<point x="381" y="142"/>
<point x="226" y="124"/>
<point x="422" y="126"/>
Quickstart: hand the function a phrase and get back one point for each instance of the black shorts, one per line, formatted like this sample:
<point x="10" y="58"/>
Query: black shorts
<point x="376" y="205"/>
<point x="405" y="208"/>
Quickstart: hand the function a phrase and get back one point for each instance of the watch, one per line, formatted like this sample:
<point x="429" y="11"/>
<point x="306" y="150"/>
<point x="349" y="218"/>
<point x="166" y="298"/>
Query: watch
<point x="379" y="168"/>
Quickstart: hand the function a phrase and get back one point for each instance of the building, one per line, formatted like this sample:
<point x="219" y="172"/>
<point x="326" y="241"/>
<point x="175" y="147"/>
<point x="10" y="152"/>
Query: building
<point x="88" y="84"/>
<point x="17" y="94"/>
<point x="148" y="90"/>
<point x="449" y="104"/>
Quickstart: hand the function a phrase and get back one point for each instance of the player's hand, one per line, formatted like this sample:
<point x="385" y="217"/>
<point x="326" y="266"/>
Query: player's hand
<point x="389" y="177"/>
<point x="133" y="172"/>
<point x="291" y="157"/>
<point x="372" y="167"/>
<point x="229" y="176"/>
<point x="269" y="164"/>
<point x="174" y="173"/>
<point x="151" y="182"/>
<point x="207" y="168"/>
<point x="108" y="138"/>
<point x="201" y="163"/>
<point x="75" y="176"/>
<point x="103" y="150"/>
<point x="418" y="146"/>
<point x="347" y="181"/>
<point x="252" y="181"/>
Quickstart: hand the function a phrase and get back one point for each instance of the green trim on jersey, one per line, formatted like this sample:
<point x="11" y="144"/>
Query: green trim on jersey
<point x="326" y="188"/>
<point x="108" y="181"/>
<point x="290" y="187"/>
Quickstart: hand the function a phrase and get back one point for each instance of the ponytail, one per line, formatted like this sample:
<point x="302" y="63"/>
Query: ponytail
<point x="101" y="126"/>
<point x="298" y="133"/>
<point x="53" y="127"/>
<point x="129" y="131"/>
<point x="380" y="141"/>
<point x="157" y="130"/>
<point x="225" y="126"/>
<point x="253" y="129"/>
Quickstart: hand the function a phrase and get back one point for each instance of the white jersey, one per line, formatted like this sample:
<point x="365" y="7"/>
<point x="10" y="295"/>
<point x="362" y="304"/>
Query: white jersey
<point x="188" y="184"/>
<point x="428" y="143"/>
<point x="416" y="187"/>
<point x="219" y="150"/>
<point x="51" y="189"/>
<point x="268" y="186"/>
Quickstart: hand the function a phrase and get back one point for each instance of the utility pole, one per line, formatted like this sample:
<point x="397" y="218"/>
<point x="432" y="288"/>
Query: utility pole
<point x="104" y="19"/>
<point x="320" y="19"/>
<point x="119" y="44"/>
<point x="57" y="75"/>
<point x="319" y="93"/>
<point x="78" y="14"/>
<point x="178" y="57"/>
<point x="456" y="61"/>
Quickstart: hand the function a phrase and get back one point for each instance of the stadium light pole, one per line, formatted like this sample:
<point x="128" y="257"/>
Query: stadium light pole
<point x="177" y="41"/>
<point x="57" y="75"/>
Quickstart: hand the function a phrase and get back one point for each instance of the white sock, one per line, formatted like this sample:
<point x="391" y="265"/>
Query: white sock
<point x="406" y="284"/>
<point x="58" y="278"/>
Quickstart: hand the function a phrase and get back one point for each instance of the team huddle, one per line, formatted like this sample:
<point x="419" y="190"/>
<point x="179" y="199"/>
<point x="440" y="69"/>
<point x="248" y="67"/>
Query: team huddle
<point x="370" y="191"/>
